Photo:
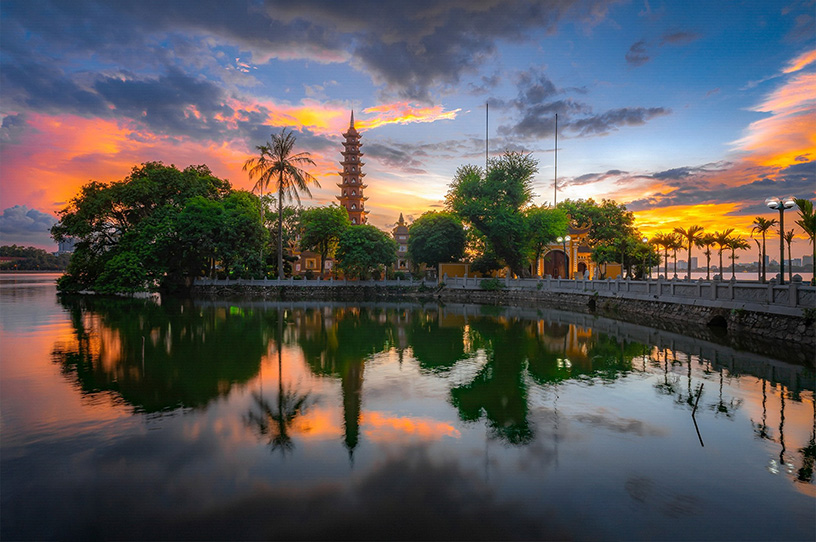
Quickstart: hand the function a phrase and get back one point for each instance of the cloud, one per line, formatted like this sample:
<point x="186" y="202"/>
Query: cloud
<point x="615" y="118"/>
<point x="394" y="157"/>
<point x="408" y="48"/>
<point x="22" y="220"/>
<point x="636" y="55"/>
<point x="800" y="62"/>
<point x="11" y="128"/>
<point x="679" y="38"/>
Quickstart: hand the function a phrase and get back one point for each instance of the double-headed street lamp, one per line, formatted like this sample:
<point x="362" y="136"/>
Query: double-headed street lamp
<point x="645" y="254"/>
<point x="563" y="241"/>
<point x="785" y="203"/>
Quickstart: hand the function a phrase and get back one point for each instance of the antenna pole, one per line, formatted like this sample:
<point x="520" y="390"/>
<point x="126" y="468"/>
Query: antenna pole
<point x="555" y="184"/>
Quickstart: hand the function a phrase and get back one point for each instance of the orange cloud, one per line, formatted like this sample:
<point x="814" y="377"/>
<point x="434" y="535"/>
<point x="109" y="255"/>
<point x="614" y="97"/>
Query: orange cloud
<point x="800" y="61"/>
<point x="404" y="113"/>
<point x="382" y="427"/>
<point x="778" y="139"/>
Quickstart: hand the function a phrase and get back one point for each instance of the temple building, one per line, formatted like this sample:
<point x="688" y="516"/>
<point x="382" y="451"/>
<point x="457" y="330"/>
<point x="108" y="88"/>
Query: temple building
<point x="351" y="189"/>
<point x="400" y="233"/>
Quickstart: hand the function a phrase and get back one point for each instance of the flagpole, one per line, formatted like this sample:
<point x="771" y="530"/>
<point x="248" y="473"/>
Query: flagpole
<point x="555" y="184"/>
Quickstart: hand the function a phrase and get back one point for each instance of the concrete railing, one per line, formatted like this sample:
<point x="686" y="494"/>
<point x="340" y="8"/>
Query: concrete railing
<point x="733" y="294"/>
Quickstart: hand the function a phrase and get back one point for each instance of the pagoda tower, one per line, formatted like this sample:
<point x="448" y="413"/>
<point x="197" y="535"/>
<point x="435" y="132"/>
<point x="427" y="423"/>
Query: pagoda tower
<point x="351" y="189"/>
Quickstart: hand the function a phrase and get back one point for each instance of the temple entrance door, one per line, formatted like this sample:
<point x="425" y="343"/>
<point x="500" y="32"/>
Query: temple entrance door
<point x="582" y="268"/>
<point x="555" y="264"/>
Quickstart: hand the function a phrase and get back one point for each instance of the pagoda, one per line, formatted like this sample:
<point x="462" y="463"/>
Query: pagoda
<point x="351" y="189"/>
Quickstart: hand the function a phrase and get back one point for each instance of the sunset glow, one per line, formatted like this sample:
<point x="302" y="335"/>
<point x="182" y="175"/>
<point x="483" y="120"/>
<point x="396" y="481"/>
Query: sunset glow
<point x="685" y="114"/>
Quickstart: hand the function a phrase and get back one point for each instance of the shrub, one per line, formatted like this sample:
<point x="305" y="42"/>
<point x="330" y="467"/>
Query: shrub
<point x="491" y="285"/>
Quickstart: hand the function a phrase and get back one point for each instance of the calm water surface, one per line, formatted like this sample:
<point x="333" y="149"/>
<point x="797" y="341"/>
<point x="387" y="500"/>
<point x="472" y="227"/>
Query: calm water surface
<point x="128" y="419"/>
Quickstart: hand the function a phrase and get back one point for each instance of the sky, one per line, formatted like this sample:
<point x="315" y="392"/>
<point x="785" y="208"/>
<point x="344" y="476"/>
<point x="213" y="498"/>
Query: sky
<point x="688" y="112"/>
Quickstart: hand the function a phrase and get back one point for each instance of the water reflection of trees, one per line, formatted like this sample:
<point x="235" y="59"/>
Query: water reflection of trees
<point x="159" y="357"/>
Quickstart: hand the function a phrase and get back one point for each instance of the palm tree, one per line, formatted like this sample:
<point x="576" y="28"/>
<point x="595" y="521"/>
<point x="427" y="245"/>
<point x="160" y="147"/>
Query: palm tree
<point x="807" y="221"/>
<point x="759" y="265"/>
<point x="762" y="225"/>
<point x="690" y="234"/>
<point x="722" y="240"/>
<point x="277" y="164"/>
<point x="662" y="240"/>
<point x="675" y="244"/>
<point x="736" y="243"/>
<point x="708" y="240"/>
<point x="788" y="237"/>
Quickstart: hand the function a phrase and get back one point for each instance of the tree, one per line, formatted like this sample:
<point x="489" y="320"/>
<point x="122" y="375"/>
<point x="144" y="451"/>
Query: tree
<point x="436" y="238"/>
<point x="722" y="238"/>
<point x="32" y="258"/>
<point x="675" y="243"/>
<point x="788" y="237"/>
<point x="128" y="234"/>
<point x="607" y="221"/>
<point x="321" y="228"/>
<point x="494" y="202"/>
<point x="277" y="164"/>
<point x="690" y="234"/>
<point x="736" y="243"/>
<point x="762" y="225"/>
<point x="544" y="225"/>
<point x="663" y="240"/>
<point x="707" y="241"/>
<point x="363" y="248"/>
<point x="807" y="221"/>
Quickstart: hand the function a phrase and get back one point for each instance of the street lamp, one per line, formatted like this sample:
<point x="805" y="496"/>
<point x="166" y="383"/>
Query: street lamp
<point x="563" y="241"/>
<point x="785" y="203"/>
<point x="645" y="253"/>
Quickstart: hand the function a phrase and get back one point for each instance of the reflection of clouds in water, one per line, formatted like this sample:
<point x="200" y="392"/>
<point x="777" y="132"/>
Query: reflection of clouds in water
<point x="407" y="494"/>
<point x="621" y="425"/>
<point x="647" y="492"/>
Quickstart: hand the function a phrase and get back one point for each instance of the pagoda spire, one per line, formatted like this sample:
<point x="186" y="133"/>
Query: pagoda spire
<point x="351" y="122"/>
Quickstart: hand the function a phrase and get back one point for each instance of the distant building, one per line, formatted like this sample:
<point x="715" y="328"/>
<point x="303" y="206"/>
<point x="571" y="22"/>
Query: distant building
<point x="807" y="260"/>
<point x="66" y="246"/>
<point x="693" y="263"/>
<point x="351" y="188"/>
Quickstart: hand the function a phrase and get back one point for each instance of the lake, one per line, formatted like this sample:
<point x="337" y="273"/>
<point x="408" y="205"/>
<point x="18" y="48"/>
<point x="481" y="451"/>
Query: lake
<point x="132" y="419"/>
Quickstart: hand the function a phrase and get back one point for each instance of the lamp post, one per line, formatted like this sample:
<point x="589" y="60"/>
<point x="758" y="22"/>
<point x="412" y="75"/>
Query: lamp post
<point x="785" y="203"/>
<point x="645" y="253"/>
<point x="563" y="241"/>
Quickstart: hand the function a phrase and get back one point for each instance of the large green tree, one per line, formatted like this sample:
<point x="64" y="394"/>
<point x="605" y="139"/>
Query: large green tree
<point x="276" y="163"/>
<point x="494" y="202"/>
<point x="363" y="249"/>
<point x="436" y="238"/>
<point x="607" y="221"/>
<point x="321" y="228"/>
<point x="129" y="234"/>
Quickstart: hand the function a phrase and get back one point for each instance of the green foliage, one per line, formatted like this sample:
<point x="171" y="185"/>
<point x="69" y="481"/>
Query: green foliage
<point x="32" y="258"/>
<point x="155" y="228"/>
<point x="544" y="225"/>
<point x="607" y="221"/>
<point x="491" y="285"/>
<point x="436" y="238"/>
<point x="321" y="228"/>
<point x="362" y="249"/>
<point x="494" y="203"/>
